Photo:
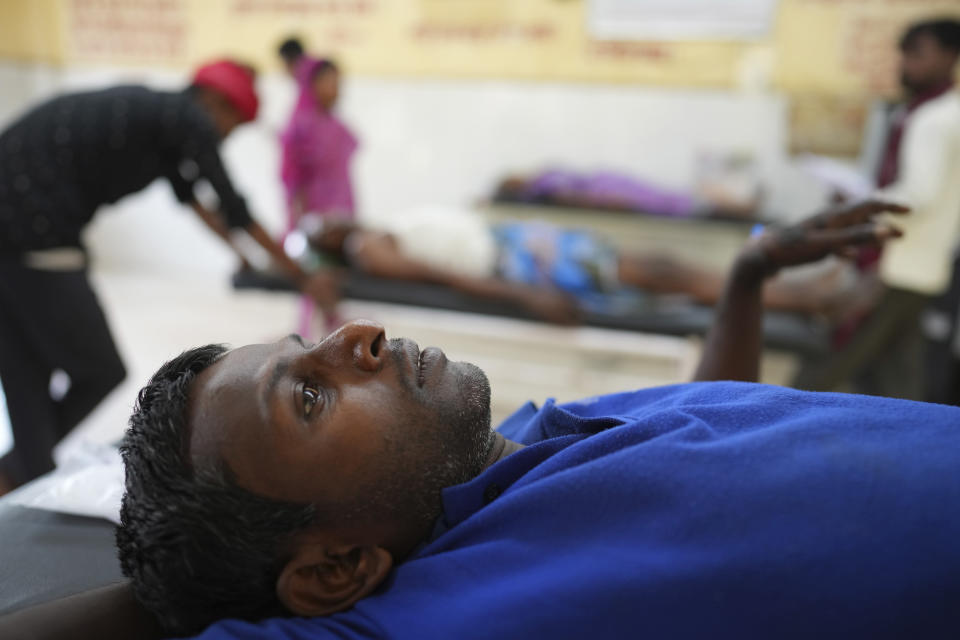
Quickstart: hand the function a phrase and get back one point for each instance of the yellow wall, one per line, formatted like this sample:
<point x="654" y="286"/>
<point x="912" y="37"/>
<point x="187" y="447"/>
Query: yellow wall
<point x="834" y="56"/>
<point x="829" y="56"/>
<point x="836" y="47"/>
<point x="846" y="46"/>
<point x="31" y="30"/>
<point x="524" y="39"/>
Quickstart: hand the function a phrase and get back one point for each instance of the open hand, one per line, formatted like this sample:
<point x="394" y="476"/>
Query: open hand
<point x="839" y="231"/>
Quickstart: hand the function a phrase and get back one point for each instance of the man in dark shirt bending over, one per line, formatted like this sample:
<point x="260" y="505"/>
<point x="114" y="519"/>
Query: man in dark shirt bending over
<point x="58" y="164"/>
<point x="354" y="489"/>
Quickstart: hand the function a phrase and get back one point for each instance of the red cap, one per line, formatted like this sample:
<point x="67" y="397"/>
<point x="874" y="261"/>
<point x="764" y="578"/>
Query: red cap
<point x="234" y="82"/>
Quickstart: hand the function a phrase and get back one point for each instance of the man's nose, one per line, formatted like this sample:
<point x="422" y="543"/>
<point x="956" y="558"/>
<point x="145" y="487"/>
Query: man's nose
<point x="365" y="340"/>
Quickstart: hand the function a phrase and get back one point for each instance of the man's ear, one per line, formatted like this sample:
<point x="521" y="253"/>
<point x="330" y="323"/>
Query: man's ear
<point x="321" y="579"/>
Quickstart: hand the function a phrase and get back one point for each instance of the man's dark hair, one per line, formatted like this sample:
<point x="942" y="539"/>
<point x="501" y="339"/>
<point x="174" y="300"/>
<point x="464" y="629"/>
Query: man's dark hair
<point x="196" y="547"/>
<point x="946" y="31"/>
<point x="291" y="49"/>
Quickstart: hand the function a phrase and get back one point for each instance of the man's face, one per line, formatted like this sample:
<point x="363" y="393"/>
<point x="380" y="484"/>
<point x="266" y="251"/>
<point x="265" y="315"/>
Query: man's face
<point x="326" y="88"/>
<point x="924" y="63"/>
<point x="370" y="430"/>
<point x="225" y="116"/>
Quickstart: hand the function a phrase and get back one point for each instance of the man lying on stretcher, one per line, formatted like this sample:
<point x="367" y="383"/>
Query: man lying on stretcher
<point x="354" y="489"/>
<point x="535" y="265"/>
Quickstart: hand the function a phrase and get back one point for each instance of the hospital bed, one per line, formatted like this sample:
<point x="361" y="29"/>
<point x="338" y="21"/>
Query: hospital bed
<point x="647" y="314"/>
<point x="46" y="555"/>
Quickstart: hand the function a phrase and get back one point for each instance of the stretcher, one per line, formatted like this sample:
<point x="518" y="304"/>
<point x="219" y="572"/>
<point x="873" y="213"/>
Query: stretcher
<point x="641" y="313"/>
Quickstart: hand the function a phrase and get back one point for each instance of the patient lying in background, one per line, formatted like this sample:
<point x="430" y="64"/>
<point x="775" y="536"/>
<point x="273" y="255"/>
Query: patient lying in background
<point x="538" y="266"/>
<point x="726" y="189"/>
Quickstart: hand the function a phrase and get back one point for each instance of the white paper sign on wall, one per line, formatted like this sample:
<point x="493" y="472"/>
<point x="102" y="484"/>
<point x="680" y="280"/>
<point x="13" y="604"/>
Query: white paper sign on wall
<point x="680" y="19"/>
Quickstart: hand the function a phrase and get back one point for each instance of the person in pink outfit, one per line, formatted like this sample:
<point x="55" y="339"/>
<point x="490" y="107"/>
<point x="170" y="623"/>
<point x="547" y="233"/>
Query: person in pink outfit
<point x="317" y="147"/>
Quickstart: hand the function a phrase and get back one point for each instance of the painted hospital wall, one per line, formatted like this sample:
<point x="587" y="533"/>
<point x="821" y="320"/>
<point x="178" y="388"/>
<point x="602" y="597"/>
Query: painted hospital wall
<point x="814" y="46"/>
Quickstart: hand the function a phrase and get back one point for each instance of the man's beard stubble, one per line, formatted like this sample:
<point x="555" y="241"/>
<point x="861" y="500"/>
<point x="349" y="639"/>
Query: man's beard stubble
<point x="422" y="461"/>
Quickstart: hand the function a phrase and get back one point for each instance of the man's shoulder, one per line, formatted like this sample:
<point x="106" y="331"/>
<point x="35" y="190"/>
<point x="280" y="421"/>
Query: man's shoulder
<point x="641" y="402"/>
<point x="125" y="102"/>
<point x="106" y="94"/>
<point x="75" y="104"/>
<point x="942" y="113"/>
<point x="725" y="407"/>
<point x="595" y="414"/>
<point x="948" y="101"/>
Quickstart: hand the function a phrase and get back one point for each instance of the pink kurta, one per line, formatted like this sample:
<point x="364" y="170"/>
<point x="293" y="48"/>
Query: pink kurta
<point x="317" y="150"/>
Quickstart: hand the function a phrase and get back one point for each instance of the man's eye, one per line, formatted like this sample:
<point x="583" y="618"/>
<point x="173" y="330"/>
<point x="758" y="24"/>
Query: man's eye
<point x="311" y="398"/>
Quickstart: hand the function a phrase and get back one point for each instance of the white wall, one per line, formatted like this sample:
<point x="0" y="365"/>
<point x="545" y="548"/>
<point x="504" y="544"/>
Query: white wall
<point x="438" y="142"/>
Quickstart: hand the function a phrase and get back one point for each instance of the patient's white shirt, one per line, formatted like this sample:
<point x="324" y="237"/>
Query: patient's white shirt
<point x="451" y="239"/>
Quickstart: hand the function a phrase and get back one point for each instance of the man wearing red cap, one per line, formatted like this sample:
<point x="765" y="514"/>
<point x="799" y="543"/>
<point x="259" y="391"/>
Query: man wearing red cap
<point x="58" y="164"/>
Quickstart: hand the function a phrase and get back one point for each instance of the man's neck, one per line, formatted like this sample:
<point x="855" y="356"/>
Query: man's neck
<point x="934" y="90"/>
<point x="500" y="449"/>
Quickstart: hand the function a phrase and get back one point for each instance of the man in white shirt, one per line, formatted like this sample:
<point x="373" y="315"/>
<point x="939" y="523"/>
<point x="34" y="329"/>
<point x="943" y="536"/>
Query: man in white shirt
<point x="919" y="167"/>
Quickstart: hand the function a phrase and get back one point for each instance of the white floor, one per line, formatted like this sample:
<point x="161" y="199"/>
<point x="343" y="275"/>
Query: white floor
<point x="154" y="318"/>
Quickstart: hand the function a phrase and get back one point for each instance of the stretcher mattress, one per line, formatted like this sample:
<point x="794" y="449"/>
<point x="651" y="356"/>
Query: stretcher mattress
<point x="46" y="555"/>
<point x="646" y="314"/>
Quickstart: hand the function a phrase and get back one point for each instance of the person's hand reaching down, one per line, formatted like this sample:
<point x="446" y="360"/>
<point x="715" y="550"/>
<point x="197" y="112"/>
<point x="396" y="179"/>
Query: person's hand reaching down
<point x="324" y="288"/>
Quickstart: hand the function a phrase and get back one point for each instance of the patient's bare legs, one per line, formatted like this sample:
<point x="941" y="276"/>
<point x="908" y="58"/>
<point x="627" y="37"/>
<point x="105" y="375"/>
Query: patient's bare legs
<point x="663" y="274"/>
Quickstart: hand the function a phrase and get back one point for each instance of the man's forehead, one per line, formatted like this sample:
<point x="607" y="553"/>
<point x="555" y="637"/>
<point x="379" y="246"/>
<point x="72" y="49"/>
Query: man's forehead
<point x="236" y="368"/>
<point x="224" y="397"/>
